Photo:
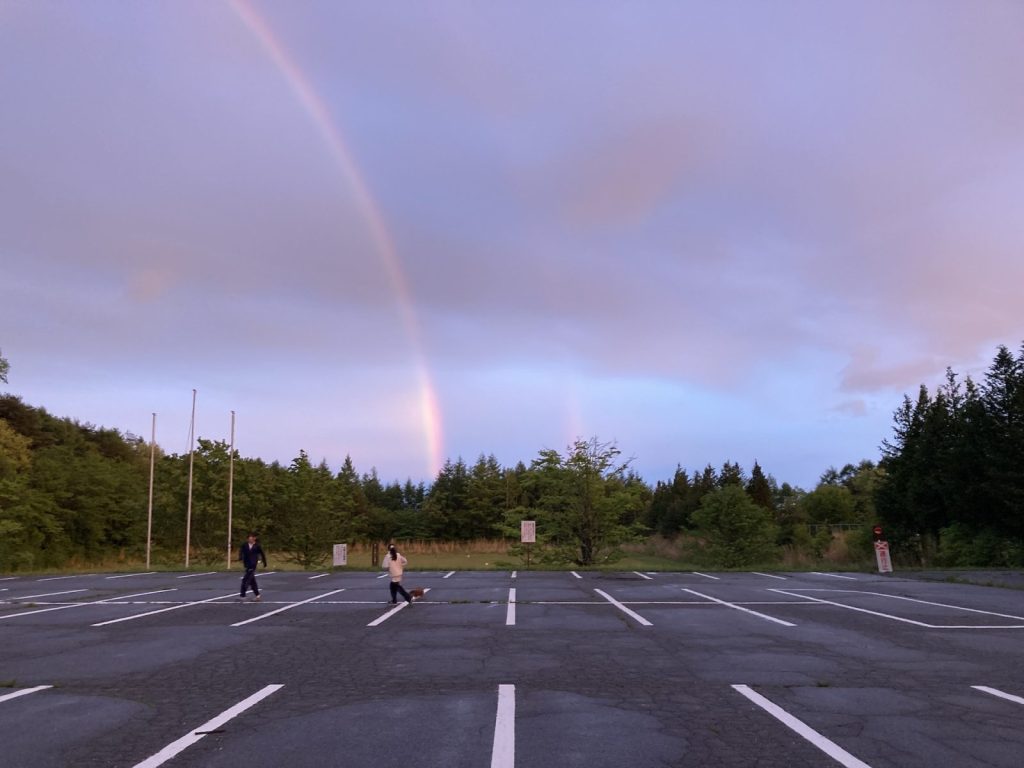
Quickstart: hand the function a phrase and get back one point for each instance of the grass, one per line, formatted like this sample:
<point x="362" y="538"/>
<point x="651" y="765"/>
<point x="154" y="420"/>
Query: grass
<point x="654" y="554"/>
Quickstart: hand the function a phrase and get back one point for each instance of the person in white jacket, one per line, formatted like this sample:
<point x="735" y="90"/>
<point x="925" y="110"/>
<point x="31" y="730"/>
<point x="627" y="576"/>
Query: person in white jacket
<point x="395" y="562"/>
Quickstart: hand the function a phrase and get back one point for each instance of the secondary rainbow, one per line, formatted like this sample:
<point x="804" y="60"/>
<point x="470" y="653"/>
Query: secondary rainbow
<point x="384" y="246"/>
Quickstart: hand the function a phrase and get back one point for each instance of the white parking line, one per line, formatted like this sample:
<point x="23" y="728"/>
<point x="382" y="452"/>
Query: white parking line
<point x="383" y="575"/>
<point x="916" y="600"/>
<point x="575" y="574"/>
<point x="624" y="609"/>
<point x="24" y="692"/>
<point x="740" y="608"/>
<point x="907" y="621"/>
<point x="510" y="614"/>
<point x="984" y="689"/>
<point x="833" y="575"/>
<point x="503" y="752"/>
<point x="8" y="578"/>
<point x="126" y="575"/>
<point x="189" y="739"/>
<point x="852" y="608"/>
<point x="827" y="746"/>
<point x="287" y="608"/>
<point x="163" y="610"/>
<point x="193" y="575"/>
<point x="514" y="574"/>
<point x="643" y="575"/>
<point x="57" y="578"/>
<point x="769" y="575"/>
<point x="79" y="605"/>
<point x="384" y="617"/>
<point x="318" y="576"/>
<point x="706" y="576"/>
<point x="51" y="594"/>
<point x="448" y="574"/>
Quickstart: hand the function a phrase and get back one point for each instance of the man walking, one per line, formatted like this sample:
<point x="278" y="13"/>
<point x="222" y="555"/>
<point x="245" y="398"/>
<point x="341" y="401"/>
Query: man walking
<point x="250" y="554"/>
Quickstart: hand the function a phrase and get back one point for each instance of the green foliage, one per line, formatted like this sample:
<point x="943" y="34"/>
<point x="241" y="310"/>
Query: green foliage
<point x="828" y="504"/>
<point x="954" y="468"/>
<point x="585" y="503"/>
<point x="962" y="546"/>
<point x="5" y="368"/>
<point x="738" y="532"/>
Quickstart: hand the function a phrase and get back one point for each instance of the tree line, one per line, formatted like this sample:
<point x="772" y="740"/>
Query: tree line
<point x="954" y="489"/>
<point x="950" y="485"/>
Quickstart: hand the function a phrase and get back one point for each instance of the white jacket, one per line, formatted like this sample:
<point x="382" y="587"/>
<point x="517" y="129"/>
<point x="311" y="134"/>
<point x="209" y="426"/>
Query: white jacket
<point x="395" y="567"/>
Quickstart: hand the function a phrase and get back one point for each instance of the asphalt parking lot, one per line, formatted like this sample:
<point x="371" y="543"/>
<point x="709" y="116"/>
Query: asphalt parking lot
<point x="508" y="669"/>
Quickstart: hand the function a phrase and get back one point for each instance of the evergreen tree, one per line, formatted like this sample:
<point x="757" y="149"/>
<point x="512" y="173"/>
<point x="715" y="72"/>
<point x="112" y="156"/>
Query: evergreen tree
<point x="759" y="488"/>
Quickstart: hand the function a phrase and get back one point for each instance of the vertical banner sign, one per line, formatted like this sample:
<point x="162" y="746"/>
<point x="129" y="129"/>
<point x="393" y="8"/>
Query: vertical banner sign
<point x="882" y="557"/>
<point x="528" y="531"/>
<point x="341" y="554"/>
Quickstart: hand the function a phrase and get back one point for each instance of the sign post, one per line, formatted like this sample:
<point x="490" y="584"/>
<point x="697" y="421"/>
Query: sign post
<point x="881" y="551"/>
<point x="528" y="536"/>
<point x="340" y="554"/>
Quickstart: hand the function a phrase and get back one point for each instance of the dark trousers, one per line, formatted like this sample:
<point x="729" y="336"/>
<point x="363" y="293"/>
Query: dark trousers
<point x="250" y="578"/>
<point x="396" y="587"/>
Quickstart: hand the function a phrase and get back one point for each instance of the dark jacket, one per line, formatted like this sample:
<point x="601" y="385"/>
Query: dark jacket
<point x="251" y="557"/>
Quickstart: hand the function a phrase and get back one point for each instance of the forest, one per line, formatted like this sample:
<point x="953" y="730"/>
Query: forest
<point x="948" y="488"/>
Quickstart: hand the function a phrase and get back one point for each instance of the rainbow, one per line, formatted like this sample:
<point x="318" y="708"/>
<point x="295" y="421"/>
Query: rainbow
<point x="384" y="246"/>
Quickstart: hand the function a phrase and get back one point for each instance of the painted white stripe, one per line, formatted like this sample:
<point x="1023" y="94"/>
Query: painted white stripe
<point x="624" y="609"/>
<point x="503" y="753"/>
<point x="984" y="689"/>
<point x="268" y="573"/>
<point x="924" y="602"/>
<point x="575" y="574"/>
<point x="189" y="739"/>
<point x="51" y="594"/>
<point x="193" y="575"/>
<point x="514" y="574"/>
<point x="826" y="745"/>
<point x="79" y="605"/>
<point x="834" y="575"/>
<point x="126" y="575"/>
<point x="769" y="575"/>
<point x="24" y="692"/>
<point x="163" y="610"/>
<point x="859" y="610"/>
<point x="383" y="575"/>
<point x="643" y="575"/>
<point x="740" y="608"/>
<point x="8" y="578"/>
<point x="448" y="574"/>
<point x="287" y="608"/>
<point x="384" y="617"/>
<point x="57" y="578"/>
<point x="706" y="576"/>
<point x="510" y="614"/>
<point x="318" y="576"/>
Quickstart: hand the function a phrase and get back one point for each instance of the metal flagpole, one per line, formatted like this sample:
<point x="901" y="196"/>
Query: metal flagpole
<point x="191" y="459"/>
<point x="231" y="484"/>
<point x="149" y="514"/>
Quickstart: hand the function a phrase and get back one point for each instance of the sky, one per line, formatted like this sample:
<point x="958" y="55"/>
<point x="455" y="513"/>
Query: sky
<point x="411" y="232"/>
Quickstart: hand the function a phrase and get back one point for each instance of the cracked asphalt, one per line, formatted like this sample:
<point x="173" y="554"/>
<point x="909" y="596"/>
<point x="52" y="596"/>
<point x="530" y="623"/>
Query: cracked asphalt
<point x="881" y="666"/>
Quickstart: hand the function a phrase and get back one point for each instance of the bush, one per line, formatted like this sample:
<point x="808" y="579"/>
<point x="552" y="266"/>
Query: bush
<point x="737" y="531"/>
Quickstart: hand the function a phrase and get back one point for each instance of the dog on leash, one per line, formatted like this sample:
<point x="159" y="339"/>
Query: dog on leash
<point x="416" y="593"/>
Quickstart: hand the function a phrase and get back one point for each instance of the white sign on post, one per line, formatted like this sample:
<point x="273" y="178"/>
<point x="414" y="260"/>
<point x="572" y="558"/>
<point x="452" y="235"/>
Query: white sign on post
<point x="341" y="554"/>
<point x="528" y="531"/>
<point x="882" y="557"/>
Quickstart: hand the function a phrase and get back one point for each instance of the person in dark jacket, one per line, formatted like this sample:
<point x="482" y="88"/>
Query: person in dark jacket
<point x="250" y="554"/>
